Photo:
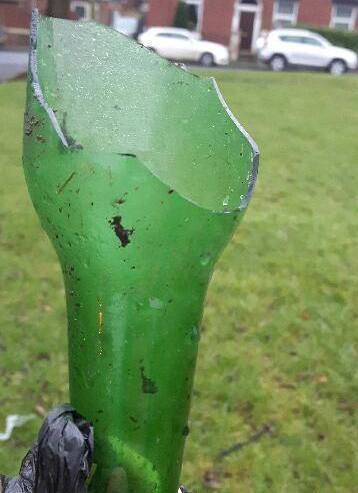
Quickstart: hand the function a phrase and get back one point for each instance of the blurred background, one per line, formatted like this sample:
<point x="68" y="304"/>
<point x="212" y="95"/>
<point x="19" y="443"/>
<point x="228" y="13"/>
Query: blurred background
<point x="202" y="28"/>
<point x="277" y="380"/>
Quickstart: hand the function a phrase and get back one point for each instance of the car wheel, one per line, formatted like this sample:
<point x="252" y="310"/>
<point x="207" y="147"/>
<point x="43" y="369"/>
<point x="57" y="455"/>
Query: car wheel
<point x="207" y="60"/>
<point x="278" y="63"/>
<point x="337" y="67"/>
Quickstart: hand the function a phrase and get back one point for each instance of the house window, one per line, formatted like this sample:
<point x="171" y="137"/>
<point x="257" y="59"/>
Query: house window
<point x="285" y="13"/>
<point x="81" y="9"/>
<point x="344" y="17"/>
<point x="195" y="14"/>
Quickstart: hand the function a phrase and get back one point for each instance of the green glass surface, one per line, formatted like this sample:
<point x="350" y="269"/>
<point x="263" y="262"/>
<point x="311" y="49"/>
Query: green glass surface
<point x="139" y="174"/>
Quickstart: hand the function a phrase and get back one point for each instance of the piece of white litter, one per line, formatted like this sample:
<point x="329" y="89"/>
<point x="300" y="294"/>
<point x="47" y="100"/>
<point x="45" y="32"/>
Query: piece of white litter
<point x="14" y="421"/>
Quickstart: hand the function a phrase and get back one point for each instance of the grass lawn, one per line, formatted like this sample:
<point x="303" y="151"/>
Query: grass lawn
<point x="280" y="327"/>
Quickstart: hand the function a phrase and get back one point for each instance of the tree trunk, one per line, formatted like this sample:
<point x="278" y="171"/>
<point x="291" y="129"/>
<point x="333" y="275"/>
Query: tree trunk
<point x="58" y="8"/>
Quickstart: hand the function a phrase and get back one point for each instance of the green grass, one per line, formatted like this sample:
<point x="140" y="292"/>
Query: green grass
<point x="279" y="343"/>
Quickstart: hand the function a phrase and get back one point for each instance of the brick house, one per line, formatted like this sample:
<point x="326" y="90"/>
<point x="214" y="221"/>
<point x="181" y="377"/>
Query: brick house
<point x="15" y="14"/>
<point x="231" y="22"/>
<point x="240" y="21"/>
<point x="15" y="17"/>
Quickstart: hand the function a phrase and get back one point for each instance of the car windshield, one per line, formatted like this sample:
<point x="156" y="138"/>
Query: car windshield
<point x="323" y="40"/>
<point x="312" y="41"/>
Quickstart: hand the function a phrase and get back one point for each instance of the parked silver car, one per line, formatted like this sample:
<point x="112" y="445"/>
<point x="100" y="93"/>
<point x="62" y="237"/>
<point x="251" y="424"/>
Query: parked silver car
<point x="181" y="44"/>
<point x="283" y="47"/>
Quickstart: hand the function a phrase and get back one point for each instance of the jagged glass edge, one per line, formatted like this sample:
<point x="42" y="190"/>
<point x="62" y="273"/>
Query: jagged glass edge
<point x="33" y="71"/>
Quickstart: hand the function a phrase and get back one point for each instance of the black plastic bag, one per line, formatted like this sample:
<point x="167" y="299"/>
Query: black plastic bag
<point x="60" y="461"/>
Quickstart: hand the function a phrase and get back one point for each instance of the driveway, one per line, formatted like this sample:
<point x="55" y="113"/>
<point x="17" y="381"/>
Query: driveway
<point x="12" y="64"/>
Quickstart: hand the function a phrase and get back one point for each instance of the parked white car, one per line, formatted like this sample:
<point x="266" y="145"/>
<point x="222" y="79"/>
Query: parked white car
<point x="283" y="47"/>
<point x="181" y="44"/>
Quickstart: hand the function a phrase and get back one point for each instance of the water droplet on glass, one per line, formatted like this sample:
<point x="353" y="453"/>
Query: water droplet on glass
<point x="156" y="303"/>
<point x="195" y="333"/>
<point x="205" y="258"/>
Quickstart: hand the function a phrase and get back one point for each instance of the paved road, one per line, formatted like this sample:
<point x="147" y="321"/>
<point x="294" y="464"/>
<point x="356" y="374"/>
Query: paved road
<point x="12" y="64"/>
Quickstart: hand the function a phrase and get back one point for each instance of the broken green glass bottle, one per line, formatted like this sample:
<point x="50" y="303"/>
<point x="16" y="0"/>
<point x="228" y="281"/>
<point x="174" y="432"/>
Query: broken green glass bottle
<point x="139" y="174"/>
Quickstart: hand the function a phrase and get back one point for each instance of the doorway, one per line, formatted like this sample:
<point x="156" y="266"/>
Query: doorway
<point x="246" y="28"/>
